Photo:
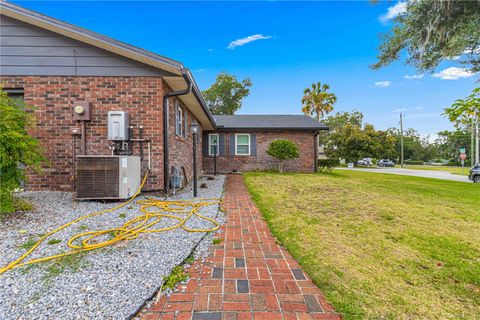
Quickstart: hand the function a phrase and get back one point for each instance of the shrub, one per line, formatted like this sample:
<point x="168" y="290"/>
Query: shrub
<point x="282" y="150"/>
<point x="414" y="162"/>
<point x="17" y="148"/>
<point x="327" y="165"/>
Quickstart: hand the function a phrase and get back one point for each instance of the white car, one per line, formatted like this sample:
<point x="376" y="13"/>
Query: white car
<point x="365" y="162"/>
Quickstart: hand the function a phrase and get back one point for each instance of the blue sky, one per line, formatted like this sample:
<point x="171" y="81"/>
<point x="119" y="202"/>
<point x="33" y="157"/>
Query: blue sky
<point x="282" y="47"/>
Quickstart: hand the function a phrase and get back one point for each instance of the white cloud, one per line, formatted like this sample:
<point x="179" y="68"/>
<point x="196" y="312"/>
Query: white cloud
<point x="244" y="41"/>
<point x="394" y="11"/>
<point x="453" y="73"/>
<point x="419" y="108"/>
<point x="415" y="76"/>
<point x="382" y="84"/>
<point x="198" y="70"/>
<point x="472" y="51"/>
<point x="400" y="110"/>
<point x="455" y="58"/>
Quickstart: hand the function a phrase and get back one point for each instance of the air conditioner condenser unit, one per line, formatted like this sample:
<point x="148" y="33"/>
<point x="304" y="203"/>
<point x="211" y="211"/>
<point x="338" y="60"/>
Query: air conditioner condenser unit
<point x="107" y="177"/>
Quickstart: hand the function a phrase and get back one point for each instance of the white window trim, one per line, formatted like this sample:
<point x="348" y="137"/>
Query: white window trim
<point x="179" y="119"/>
<point x="210" y="143"/>
<point x="249" y="144"/>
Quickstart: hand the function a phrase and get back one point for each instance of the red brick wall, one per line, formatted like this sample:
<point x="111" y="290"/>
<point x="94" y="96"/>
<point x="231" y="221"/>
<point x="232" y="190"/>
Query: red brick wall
<point x="262" y="161"/>
<point x="53" y="96"/>
<point x="181" y="148"/>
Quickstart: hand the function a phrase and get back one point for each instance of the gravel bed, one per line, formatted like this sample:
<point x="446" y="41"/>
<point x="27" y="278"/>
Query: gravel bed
<point x="108" y="283"/>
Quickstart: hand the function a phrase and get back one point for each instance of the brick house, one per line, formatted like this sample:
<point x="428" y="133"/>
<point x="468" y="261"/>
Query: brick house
<point x="241" y="142"/>
<point x="56" y="67"/>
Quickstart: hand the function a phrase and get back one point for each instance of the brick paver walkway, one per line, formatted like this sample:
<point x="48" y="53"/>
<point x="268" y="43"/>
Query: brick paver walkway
<point x="247" y="276"/>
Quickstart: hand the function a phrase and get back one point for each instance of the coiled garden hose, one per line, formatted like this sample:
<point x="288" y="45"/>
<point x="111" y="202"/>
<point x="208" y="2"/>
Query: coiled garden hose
<point x="152" y="212"/>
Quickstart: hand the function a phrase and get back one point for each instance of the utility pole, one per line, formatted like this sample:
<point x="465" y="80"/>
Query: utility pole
<point x="401" y="139"/>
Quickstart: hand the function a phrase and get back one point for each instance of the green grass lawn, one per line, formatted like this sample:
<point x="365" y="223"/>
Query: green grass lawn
<point x="380" y="246"/>
<point x="454" y="170"/>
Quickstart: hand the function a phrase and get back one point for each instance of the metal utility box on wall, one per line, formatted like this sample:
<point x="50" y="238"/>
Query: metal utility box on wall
<point x="107" y="177"/>
<point x="82" y="111"/>
<point x="118" y="123"/>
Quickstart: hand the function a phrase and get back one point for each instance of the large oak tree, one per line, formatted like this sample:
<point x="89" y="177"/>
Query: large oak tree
<point x="432" y="31"/>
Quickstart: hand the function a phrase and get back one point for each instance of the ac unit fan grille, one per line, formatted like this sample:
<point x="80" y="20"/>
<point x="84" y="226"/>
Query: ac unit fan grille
<point x="97" y="177"/>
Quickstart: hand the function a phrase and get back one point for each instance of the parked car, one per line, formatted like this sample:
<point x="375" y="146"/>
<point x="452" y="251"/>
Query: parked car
<point x="365" y="162"/>
<point x="475" y="173"/>
<point x="385" y="163"/>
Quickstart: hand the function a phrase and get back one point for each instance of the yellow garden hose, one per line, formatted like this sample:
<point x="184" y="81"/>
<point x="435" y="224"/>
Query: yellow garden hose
<point x="153" y="211"/>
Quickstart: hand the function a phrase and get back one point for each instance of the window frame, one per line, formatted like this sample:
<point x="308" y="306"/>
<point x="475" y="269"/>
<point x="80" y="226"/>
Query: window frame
<point x="249" y="144"/>
<point x="210" y="153"/>
<point x="179" y="116"/>
<point x="15" y="93"/>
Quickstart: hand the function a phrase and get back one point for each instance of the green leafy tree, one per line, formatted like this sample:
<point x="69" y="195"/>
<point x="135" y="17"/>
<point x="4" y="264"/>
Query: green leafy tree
<point x="434" y="31"/>
<point x="352" y="142"/>
<point x="17" y="148"/>
<point x="348" y="142"/>
<point x="415" y="147"/>
<point x="225" y="96"/>
<point x="383" y="143"/>
<point x="282" y="150"/>
<point x="465" y="114"/>
<point x="463" y="110"/>
<point x="340" y="119"/>
<point x="448" y="144"/>
<point x="317" y="100"/>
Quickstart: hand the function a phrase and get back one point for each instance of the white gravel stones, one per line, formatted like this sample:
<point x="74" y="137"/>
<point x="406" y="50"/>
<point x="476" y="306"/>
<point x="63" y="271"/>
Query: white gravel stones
<point x="109" y="283"/>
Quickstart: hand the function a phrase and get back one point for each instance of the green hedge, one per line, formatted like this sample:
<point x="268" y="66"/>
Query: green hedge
<point x="414" y="162"/>
<point x="327" y="165"/>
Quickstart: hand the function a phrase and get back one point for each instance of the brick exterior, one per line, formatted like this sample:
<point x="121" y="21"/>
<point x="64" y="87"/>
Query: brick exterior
<point x="181" y="148"/>
<point x="141" y="97"/>
<point x="305" y="140"/>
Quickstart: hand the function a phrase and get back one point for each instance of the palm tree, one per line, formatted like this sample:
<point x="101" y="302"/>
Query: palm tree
<point x="317" y="100"/>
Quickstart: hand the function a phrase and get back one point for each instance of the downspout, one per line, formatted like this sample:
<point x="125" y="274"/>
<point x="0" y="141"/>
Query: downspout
<point x="166" y="107"/>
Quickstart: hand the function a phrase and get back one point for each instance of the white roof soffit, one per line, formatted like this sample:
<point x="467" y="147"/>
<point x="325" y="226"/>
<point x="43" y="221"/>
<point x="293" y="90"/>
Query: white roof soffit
<point x="190" y="100"/>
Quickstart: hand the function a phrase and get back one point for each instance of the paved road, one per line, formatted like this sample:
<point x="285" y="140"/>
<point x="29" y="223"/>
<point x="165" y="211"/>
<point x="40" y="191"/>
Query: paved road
<point x="416" y="173"/>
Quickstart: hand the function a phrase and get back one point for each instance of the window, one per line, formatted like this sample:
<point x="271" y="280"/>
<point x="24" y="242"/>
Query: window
<point x="178" y="119"/>
<point x="242" y="144"/>
<point x="14" y="93"/>
<point x="212" y="142"/>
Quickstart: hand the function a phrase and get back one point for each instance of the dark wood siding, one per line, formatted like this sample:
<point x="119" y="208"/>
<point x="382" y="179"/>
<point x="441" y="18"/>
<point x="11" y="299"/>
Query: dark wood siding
<point x="28" y="50"/>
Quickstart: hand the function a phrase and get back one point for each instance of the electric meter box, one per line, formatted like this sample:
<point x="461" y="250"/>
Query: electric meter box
<point x="118" y="126"/>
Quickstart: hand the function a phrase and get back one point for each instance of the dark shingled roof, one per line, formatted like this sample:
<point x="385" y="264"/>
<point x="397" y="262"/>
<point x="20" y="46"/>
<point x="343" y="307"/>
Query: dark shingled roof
<point x="268" y="122"/>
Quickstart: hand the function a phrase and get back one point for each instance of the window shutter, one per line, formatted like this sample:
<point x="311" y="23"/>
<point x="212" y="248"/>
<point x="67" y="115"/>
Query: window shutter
<point x="185" y="126"/>
<point x="253" y="144"/>
<point x="205" y="144"/>
<point x="221" y="144"/>
<point x="176" y="117"/>
<point x="232" y="144"/>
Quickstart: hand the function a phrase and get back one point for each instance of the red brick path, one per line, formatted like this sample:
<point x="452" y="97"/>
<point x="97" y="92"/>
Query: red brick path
<point x="247" y="276"/>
